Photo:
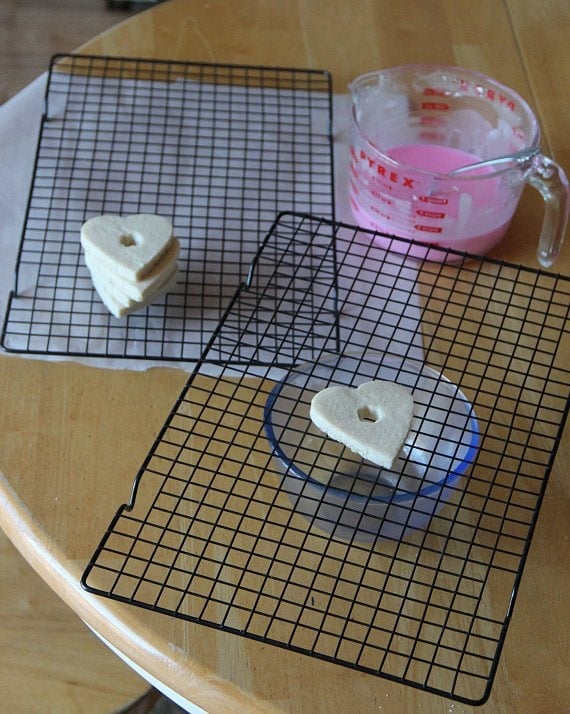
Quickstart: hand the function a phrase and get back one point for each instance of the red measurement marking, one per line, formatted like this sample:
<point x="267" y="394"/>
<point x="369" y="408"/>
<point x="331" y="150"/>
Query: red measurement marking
<point x="434" y="200"/>
<point x="434" y="92"/>
<point x="430" y="214"/>
<point x="428" y="229"/>
<point x="438" y="106"/>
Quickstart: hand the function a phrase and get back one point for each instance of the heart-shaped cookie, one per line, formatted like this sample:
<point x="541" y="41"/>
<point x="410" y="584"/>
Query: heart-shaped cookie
<point x="137" y="290"/>
<point x="119" y="304"/>
<point x="373" y="420"/>
<point x="126" y="246"/>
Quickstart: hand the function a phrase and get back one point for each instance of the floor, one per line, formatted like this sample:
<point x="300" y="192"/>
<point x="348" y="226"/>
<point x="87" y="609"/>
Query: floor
<point x="31" y="32"/>
<point x="49" y="661"/>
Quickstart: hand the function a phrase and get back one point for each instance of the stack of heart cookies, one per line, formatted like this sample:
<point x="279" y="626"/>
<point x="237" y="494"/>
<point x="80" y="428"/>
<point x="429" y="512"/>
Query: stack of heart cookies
<point x="132" y="260"/>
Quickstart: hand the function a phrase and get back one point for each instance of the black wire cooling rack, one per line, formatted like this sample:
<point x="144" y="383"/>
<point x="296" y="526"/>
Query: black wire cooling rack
<point x="219" y="150"/>
<point x="213" y="533"/>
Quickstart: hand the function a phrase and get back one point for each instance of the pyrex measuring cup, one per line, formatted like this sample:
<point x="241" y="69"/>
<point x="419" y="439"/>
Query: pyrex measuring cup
<point x="441" y="155"/>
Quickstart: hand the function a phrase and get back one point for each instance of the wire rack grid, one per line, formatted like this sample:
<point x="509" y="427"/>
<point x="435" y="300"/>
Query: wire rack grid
<point x="220" y="533"/>
<point x="218" y="149"/>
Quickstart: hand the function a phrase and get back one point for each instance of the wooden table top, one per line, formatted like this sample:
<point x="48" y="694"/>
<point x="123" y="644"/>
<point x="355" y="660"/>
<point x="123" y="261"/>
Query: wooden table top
<point x="72" y="468"/>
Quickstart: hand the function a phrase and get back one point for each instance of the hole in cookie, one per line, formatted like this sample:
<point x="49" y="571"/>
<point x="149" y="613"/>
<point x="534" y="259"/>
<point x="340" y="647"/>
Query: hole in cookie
<point x="367" y="414"/>
<point x="127" y="239"/>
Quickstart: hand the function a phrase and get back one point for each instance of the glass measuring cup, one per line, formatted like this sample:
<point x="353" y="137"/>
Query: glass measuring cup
<point x="441" y="155"/>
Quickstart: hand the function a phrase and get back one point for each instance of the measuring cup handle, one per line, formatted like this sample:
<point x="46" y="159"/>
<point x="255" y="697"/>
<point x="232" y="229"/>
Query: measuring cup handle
<point x="551" y="181"/>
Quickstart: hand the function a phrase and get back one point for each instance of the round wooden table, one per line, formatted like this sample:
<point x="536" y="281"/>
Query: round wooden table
<point x="72" y="437"/>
